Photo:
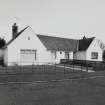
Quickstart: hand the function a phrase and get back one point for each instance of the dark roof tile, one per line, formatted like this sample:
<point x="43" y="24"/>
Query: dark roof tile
<point x="85" y="43"/>
<point x="59" y="44"/>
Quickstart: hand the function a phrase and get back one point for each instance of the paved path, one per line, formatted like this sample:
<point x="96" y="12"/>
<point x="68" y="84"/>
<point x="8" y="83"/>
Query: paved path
<point x="74" y="68"/>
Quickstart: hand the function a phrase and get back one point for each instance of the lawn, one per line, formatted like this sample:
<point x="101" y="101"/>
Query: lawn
<point x="75" y="92"/>
<point x="37" y="73"/>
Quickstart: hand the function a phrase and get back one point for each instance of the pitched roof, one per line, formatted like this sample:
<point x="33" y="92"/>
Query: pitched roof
<point x="15" y="37"/>
<point x="59" y="44"/>
<point x="85" y="43"/>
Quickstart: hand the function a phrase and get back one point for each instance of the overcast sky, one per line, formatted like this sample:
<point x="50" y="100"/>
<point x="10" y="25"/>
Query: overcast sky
<point x="63" y="18"/>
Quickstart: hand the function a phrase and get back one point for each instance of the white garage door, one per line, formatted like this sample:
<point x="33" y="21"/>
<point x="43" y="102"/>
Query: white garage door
<point x="27" y="55"/>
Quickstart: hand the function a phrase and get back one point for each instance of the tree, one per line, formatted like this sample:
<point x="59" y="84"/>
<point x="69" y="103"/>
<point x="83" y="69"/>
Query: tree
<point x="2" y="42"/>
<point x="103" y="55"/>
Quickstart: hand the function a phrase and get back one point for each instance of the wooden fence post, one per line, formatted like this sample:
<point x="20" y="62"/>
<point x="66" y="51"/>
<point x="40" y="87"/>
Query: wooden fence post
<point x="87" y="66"/>
<point x="73" y="67"/>
<point x="54" y="69"/>
<point x="64" y="68"/>
<point x="81" y="66"/>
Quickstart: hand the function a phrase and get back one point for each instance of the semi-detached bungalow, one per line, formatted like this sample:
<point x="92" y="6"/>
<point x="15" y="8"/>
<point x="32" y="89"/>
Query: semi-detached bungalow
<point x="27" y="48"/>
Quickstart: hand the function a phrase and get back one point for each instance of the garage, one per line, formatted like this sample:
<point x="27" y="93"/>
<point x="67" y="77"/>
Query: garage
<point x="27" y="56"/>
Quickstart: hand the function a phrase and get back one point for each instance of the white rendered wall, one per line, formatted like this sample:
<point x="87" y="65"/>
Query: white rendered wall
<point x="60" y="55"/>
<point x="22" y="42"/>
<point x="81" y="55"/>
<point x="94" y="47"/>
<point x="71" y="55"/>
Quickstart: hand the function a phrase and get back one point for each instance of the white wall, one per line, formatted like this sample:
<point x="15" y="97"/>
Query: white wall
<point x="71" y="55"/>
<point x="12" y="52"/>
<point x="94" y="47"/>
<point x="60" y="56"/>
<point x="80" y="55"/>
<point x="22" y="42"/>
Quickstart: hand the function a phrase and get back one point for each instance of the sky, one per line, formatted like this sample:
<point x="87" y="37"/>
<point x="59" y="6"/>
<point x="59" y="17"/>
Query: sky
<point x="61" y="18"/>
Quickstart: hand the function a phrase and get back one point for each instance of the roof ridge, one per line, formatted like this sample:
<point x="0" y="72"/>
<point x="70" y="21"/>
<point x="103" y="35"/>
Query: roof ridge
<point x="88" y="38"/>
<point x="55" y="37"/>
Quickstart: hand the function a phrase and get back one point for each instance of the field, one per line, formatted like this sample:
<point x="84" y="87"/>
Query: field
<point x="69" y="88"/>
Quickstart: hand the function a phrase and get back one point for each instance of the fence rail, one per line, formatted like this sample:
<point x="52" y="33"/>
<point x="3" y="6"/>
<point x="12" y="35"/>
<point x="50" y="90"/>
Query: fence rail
<point x="44" y="68"/>
<point x="41" y="72"/>
<point x="65" y="66"/>
<point x="44" y="71"/>
<point x="96" y="65"/>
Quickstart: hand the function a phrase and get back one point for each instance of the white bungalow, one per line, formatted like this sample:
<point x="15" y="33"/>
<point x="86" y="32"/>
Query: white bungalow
<point x="27" y="48"/>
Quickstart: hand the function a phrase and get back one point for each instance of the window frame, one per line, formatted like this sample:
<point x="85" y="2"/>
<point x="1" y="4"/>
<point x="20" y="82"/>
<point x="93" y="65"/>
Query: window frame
<point x="94" y="55"/>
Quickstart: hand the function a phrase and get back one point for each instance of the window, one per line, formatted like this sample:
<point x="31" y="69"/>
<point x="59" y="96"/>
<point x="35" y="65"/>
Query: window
<point x="94" y="55"/>
<point x="60" y="52"/>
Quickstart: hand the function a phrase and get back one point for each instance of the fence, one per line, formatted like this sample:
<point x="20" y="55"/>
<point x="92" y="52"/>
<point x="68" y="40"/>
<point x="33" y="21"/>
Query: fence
<point x="47" y="71"/>
<point x="41" y="72"/>
<point x="66" y="66"/>
<point x="43" y="68"/>
<point x="95" y="65"/>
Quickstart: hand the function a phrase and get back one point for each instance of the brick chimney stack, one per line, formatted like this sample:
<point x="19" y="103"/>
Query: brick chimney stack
<point x="14" y="30"/>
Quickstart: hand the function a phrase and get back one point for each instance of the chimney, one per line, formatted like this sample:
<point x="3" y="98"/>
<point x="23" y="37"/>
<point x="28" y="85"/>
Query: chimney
<point x="14" y="30"/>
<point x="84" y="37"/>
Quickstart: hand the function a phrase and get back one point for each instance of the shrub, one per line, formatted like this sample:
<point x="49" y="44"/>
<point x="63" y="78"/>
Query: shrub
<point x="99" y="67"/>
